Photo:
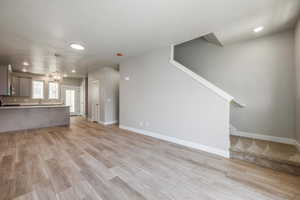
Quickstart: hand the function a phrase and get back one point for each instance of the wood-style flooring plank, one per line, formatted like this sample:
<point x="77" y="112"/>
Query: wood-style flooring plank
<point x="88" y="161"/>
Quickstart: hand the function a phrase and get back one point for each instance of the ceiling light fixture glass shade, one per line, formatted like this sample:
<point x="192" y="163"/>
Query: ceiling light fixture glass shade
<point x="56" y="76"/>
<point x="73" y="71"/>
<point x="77" y="46"/>
<point x="25" y="63"/>
<point x="258" y="29"/>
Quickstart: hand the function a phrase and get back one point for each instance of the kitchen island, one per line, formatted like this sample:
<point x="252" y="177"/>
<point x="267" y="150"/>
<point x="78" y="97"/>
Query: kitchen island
<point x="14" y="118"/>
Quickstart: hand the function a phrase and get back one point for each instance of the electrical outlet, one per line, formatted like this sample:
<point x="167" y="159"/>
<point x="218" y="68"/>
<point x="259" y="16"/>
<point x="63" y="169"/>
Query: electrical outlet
<point x="147" y="124"/>
<point x="141" y="124"/>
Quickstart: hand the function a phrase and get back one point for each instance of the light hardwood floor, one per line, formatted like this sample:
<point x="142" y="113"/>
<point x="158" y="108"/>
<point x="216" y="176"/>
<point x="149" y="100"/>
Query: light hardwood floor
<point x="90" y="161"/>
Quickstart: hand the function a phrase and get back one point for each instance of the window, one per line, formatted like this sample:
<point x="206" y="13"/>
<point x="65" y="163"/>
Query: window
<point x="53" y="90"/>
<point x="37" y="89"/>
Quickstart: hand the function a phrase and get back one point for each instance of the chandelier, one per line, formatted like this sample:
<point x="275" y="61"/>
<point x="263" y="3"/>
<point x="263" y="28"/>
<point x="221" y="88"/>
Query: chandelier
<point x="56" y="76"/>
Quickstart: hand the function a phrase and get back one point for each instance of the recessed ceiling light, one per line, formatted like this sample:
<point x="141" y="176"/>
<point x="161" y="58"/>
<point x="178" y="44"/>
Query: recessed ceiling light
<point x="65" y="75"/>
<point x="24" y="70"/>
<point x="258" y="29"/>
<point x="73" y="71"/>
<point x="77" y="46"/>
<point x="25" y="63"/>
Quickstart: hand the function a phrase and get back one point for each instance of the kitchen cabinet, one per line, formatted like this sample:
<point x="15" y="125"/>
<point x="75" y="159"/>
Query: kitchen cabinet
<point x="21" y="86"/>
<point x="11" y="85"/>
<point x="25" y="87"/>
<point x="15" y="83"/>
<point x="4" y="80"/>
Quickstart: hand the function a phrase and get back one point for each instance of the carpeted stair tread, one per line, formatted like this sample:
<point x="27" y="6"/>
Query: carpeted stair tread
<point x="265" y="153"/>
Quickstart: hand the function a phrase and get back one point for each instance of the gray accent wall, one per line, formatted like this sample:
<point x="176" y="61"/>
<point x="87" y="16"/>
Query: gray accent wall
<point x="156" y="96"/>
<point x="258" y="73"/>
<point x="297" y="64"/>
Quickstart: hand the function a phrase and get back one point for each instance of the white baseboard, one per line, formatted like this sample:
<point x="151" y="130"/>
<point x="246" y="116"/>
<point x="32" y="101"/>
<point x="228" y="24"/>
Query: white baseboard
<point x="193" y="145"/>
<point x="108" y="123"/>
<point x="264" y="137"/>
<point x="104" y="123"/>
<point x="111" y="122"/>
<point x="101" y="122"/>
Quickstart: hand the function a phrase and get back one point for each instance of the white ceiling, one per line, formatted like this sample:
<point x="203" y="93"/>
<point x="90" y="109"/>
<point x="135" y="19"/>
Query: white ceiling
<point x="280" y="17"/>
<point x="35" y="30"/>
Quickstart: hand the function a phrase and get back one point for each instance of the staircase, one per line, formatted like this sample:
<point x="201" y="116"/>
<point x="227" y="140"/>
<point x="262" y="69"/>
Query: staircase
<point x="277" y="156"/>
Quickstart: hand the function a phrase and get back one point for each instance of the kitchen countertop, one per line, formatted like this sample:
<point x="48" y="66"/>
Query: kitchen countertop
<point x="32" y="106"/>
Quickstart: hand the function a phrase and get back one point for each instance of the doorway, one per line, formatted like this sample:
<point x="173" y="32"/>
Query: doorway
<point x="95" y="107"/>
<point x="71" y="98"/>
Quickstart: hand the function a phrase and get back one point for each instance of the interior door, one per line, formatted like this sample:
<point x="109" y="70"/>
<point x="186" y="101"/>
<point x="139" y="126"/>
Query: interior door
<point x="71" y="98"/>
<point x="95" y="101"/>
<point x="82" y="98"/>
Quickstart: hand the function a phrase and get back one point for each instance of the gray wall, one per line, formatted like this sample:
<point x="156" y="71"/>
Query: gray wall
<point x="109" y="93"/>
<point x="259" y="73"/>
<point x="162" y="99"/>
<point x="297" y="64"/>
